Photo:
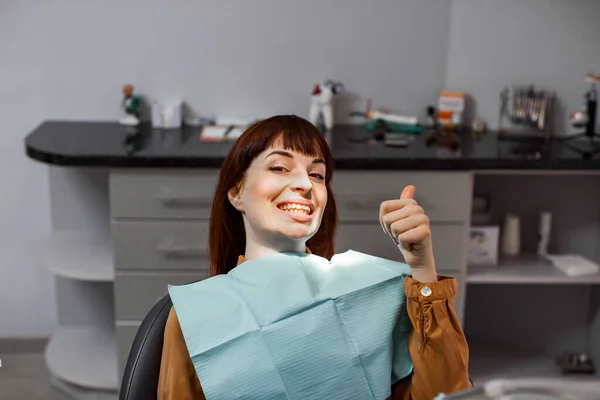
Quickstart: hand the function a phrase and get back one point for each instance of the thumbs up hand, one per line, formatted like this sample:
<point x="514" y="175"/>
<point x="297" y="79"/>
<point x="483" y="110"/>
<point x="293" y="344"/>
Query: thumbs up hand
<point x="405" y="222"/>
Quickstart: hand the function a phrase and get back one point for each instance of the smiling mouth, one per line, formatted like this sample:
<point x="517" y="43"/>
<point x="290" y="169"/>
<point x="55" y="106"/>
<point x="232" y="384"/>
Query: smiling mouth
<point x="296" y="209"/>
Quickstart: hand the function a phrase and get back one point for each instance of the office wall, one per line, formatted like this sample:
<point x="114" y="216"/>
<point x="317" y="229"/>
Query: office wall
<point x="253" y="58"/>
<point x="234" y="58"/>
<point x="549" y="43"/>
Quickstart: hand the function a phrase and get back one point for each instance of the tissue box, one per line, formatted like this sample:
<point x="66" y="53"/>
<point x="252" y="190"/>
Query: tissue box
<point x="483" y="245"/>
<point x="167" y="116"/>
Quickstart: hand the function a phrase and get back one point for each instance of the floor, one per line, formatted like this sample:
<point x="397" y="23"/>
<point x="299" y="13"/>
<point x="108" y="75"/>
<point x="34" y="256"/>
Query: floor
<point x="25" y="377"/>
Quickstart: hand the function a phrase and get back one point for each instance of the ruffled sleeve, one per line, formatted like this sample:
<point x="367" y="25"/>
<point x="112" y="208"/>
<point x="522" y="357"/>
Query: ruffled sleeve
<point x="437" y="343"/>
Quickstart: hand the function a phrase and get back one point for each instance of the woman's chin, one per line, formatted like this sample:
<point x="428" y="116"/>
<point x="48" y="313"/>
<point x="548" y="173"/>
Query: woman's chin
<point x="299" y="232"/>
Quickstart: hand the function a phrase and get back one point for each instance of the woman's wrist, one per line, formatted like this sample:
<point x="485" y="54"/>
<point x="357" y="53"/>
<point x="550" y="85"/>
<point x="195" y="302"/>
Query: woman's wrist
<point x="424" y="274"/>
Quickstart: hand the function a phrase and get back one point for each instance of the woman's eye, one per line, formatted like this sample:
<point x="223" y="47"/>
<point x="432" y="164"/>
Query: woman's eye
<point x="317" y="176"/>
<point x="277" y="168"/>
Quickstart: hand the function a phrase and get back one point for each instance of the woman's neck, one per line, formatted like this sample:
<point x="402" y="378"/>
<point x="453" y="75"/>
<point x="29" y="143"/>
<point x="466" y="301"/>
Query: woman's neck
<point x="262" y="248"/>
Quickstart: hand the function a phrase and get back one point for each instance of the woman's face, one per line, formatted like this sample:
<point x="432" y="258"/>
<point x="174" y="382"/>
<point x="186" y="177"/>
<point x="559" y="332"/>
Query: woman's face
<point x="282" y="197"/>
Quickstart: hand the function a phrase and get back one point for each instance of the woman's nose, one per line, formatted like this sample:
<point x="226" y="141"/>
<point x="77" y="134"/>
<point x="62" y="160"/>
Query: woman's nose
<point x="301" y="182"/>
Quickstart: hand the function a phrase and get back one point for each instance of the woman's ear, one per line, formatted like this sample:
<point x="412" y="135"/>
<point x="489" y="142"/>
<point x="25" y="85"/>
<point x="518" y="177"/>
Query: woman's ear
<point x="234" y="198"/>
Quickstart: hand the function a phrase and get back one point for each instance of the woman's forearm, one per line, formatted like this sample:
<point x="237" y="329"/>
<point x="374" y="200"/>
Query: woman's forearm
<point x="437" y="344"/>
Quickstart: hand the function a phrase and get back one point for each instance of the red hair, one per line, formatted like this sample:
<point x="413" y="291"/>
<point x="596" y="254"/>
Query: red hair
<point x="227" y="237"/>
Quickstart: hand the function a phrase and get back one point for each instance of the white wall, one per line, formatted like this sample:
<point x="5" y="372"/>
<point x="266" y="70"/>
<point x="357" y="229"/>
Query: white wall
<point x="252" y="58"/>
<point x="26" y="290"/>
<point x="245" y="58"/>
<point x="548" y="43"/>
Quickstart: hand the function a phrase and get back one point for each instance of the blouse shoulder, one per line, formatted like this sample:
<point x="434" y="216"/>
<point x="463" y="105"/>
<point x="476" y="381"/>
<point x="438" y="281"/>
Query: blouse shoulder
<point x="172" y="326"/>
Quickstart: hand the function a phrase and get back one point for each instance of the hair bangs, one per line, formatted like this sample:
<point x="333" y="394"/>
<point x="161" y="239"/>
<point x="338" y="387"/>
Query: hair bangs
<point x="301" y="140"/>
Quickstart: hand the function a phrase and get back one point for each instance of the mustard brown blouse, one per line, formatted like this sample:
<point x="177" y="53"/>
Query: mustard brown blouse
<point x="437" y="345"/>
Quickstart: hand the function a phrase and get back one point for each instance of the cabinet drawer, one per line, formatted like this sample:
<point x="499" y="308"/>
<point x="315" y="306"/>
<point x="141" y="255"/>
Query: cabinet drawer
<point x="160" y="245"/>
<point x="448" y="243"/>
<point x="445" y="196"/>
<point x="136" y="294"/>
<point x="162" y="194"/>
<point x="125" y="334"/>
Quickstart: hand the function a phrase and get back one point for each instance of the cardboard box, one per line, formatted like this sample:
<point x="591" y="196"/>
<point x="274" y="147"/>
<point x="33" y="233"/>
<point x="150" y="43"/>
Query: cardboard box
<point x="451" y="106"/>
<point x="483" y="245"/>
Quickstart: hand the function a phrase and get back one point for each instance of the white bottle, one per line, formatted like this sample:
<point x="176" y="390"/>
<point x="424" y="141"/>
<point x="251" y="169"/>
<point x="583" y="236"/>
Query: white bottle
<point x="511" y="235"/>
<point x="544" y="229"/>
<point x="157" y="115"/>
<point x="321" y="106"/>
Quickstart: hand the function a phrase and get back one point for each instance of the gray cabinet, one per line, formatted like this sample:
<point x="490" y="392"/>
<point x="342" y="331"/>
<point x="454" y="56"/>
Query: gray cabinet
<point x="136" y="293"/>
<point x="445" y="196"/>
<point x="167" y="245"/>
<point x="151" y="194"/>
<point x="369" y="238"/>
<point x="160" y="222"/>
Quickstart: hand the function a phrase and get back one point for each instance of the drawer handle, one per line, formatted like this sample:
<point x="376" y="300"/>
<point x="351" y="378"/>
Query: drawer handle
<point x="171" y="250"/>
<point x="170" y="199"/>
<point x="374" y="204"/>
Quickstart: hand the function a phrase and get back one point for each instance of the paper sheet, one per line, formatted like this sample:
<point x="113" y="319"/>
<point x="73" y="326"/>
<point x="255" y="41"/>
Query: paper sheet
<point x="221" y="132"/>
<point x="573" y="264"/>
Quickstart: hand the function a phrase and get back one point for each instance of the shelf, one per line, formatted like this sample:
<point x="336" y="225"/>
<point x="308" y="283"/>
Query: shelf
<point x="80" y="255"/>
<point x="488" y="361"/>
<point x="527" y="269"/>
<point x="84" y="357"/>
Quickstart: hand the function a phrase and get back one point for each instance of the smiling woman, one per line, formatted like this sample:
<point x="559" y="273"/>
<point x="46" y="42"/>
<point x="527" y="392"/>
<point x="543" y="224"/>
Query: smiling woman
<point x="270" y="324"/>
<point x="277" y="165"/>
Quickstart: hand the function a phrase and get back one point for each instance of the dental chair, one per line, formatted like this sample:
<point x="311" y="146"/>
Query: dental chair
<point x="140" y="377"/>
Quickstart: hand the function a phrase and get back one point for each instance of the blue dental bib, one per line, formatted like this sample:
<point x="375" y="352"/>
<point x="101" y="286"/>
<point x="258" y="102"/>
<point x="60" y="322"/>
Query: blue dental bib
<point x="297" y="326"/>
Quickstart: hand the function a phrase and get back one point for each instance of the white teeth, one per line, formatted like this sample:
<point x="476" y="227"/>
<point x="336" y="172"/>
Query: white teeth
<point x="302" y="212"/>
<point x="296" y="208"/>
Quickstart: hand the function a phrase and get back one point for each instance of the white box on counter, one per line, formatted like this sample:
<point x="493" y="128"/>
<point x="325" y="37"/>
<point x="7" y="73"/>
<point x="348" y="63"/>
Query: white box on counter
<point x="483" y="245"/>
<point x="168" y="115"/>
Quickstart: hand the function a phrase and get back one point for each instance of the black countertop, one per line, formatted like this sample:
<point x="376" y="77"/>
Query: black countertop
<point x="108" y="144"/>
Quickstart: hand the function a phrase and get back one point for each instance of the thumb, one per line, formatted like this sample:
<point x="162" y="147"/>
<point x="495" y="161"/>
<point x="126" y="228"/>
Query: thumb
<point x="408" y="192"/>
